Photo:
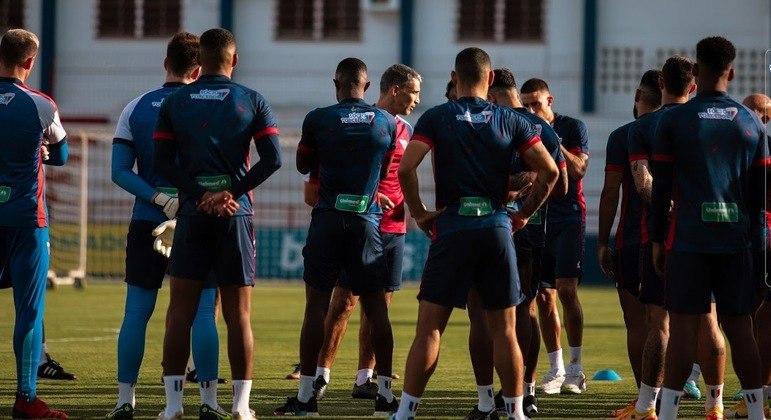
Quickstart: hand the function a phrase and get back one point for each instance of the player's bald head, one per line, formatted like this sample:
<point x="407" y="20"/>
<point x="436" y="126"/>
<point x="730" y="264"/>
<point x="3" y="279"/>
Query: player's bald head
<point x="16" y="46"/>
<point x="759" y="103"/>
<point x="472" y="66"/>
<point x="351" y="73"/>
<point x="217" y="48"/>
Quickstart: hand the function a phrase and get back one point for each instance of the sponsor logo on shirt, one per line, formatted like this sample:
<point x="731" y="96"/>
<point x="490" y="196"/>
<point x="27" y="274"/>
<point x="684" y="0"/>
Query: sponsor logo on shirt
<point x="482" y="117"/>
<point x="211" y="95"/>
<point x="157" y="104"/>
<point x="5" y="98"/>
<point x="358" y="118"/>
<point x="719" y="113"/>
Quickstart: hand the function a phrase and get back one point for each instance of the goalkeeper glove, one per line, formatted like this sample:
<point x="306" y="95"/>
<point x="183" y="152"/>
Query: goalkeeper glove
<point x="170" y="204"/>
<point x="164" y="237"/>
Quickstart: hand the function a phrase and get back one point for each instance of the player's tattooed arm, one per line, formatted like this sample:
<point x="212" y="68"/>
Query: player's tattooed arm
<point x="643" y="180"/>
<point x="538" y="158"/>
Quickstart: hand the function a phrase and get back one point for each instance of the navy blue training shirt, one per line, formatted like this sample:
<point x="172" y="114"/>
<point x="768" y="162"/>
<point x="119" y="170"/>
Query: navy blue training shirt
<point x="617" y="155"/>
<point x="575" y="138"/>
<point x="475" y="145"/>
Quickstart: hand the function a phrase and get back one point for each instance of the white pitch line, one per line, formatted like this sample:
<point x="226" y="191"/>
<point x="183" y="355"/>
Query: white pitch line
<point x="80" y="339"/>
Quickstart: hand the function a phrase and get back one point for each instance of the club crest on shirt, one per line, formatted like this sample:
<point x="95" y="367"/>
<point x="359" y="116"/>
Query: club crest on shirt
<point x="157" y="104"/>
<point x="482" y="117"/>
<point x="211" y="95"/>
<point x="719" y="113"/>
<point x="5" y="98"/>
<point x="358" y="118"/>
<point x="538" y="129"/>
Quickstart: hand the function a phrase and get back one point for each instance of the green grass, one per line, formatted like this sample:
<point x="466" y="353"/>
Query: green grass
<point x="82" y="327"/>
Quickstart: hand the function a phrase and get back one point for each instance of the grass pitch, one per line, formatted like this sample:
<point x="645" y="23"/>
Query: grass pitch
<point x="82" y="328"/>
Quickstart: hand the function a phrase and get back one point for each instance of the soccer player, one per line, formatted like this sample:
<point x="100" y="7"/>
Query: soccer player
<point x="351" y="144"/>
<point x="399" y="95"/>
<point x="202" y="143"/>
<point x="475" y="144"/>
<point x="29" y="118"/>
<point x="528" y="243"/>
<point x="622" y="264"/>
<point x="711" y="157"/>
<point x="156" y="201"/>
<point x="563" y="256"/>
<point x="761" y="104"/>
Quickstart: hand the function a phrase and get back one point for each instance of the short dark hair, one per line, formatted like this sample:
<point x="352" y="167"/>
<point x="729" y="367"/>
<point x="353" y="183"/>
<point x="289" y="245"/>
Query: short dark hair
<point x="716" y="53"/>
<point x="399" y="75"/>
<point x="16" y="46"/>
<point x="472" y="65"/>
<point x="349" y="72"/>
<point x="504" y="79"/>
<point x="534" y="85"/>
<point x="649" y="86"/>
<point x="214" y="47"/>
<point x="677" y="74"/>
<point x="182" y="54"/>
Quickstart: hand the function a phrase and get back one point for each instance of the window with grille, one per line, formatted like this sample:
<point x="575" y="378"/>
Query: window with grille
<point x="500" y="20"/>
<point x="139" y="18"/>
<point x="318" y="20"/>
<point x="11" y="14"/>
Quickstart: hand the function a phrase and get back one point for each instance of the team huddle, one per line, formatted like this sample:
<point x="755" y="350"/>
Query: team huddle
<point x="507" y="230"/>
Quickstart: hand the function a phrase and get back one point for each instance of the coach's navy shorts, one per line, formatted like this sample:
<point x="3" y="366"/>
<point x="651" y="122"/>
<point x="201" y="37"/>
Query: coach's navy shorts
<point x="652" y="287"/>
<point x="626" y="268"/>
<point x="691" y="277"/>
<point x="393" y="251"/>
<point x="144" y="266"/>
<point x="563" y="257"/>
<point x="344" y="243"/>
<point x="483" y="257"/>
<point x="222" y="247"/>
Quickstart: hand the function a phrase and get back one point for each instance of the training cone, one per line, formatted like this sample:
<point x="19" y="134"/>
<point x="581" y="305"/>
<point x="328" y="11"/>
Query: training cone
<point x="606" y="375"/>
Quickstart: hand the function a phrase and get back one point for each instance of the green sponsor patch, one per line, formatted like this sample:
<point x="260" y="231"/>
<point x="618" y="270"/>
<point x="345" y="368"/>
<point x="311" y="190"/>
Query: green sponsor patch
<point x="351" y="203"/>
<point x="535" y="219"/>
<point x="720" y="212"/>
<point x="214" y="183"/>
<point x="5" y="193"/>
<point x="170" y="191"/>
<point x="475" y="206"/>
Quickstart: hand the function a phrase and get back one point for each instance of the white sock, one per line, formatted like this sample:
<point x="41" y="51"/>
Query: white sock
<point x="43" y="356"/>
<point x="363" y="376"/>
<point x="323" y="372"/>
<point x="670" y="403"/>
<point x="485" y="394"/>
<point x="755" y="403"/>
<point x="208" y="391"/>
<point x="408" y="406"/>
<point x="555" y="359"/>
<point x="384" y="387"/>
<point x="306" y="388"/>
<point x="695" y="373"/>
<point x="575" y="355"/>
<point x="646" y="399"/>
<point x="242" y="388"/>
<point x="191" y="365"/>
<point x="173" y="385"/>
<point x="714" y="396"/>
<point x="529" y="388"/>
<point x="126" y="394"/>
<point x="514" y="408"/>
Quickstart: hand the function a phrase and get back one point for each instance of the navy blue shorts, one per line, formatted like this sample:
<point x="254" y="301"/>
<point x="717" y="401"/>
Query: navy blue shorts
<point x="344" y="243"/>
<point x="693" y="277"/>
<point x="484" y="258"/>
<point x="524" y="246"/>
<point x="652" y="287"/>
<point x="144" y="266"/>
<point x="393" y="250"/>
<point x="563" y="257"/>
<point x="207" y="246"/>
<point x="626" y="268"/>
